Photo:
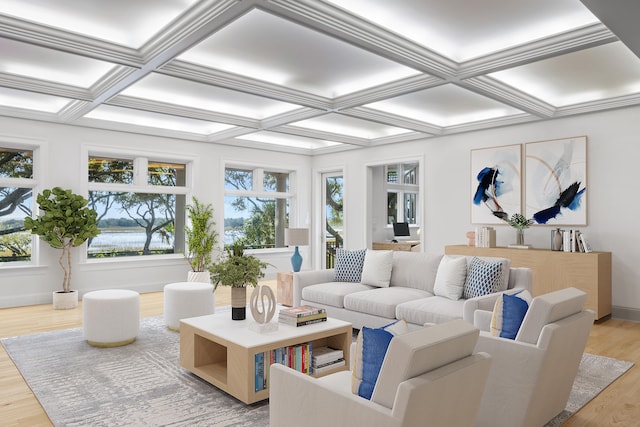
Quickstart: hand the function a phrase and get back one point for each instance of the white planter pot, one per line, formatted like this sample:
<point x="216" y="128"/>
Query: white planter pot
<point x="199" y="276"/>
<point x="65" y="300"/>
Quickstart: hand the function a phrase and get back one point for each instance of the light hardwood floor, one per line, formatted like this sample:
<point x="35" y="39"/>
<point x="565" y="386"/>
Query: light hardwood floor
<point x="618" y="405"/>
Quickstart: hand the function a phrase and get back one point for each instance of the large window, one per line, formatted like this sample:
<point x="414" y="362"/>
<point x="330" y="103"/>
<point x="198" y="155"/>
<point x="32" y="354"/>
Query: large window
<point x="16" y="200"/>
<point x="402" y="193"/>
<point x="140" y="204"/>
<point x="256" y="206"/>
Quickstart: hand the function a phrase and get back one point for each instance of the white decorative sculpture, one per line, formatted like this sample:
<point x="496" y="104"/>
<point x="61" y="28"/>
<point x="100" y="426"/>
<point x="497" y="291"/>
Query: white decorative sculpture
<point x="262" y="304"/>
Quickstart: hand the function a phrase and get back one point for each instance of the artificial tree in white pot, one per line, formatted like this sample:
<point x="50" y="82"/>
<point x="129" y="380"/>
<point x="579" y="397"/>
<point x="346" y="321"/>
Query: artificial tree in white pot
<point x="201" y="238"/>
<point x="65" y="222"/>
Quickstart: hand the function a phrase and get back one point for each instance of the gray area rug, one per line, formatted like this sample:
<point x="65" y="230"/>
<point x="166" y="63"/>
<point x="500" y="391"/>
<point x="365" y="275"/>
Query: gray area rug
<point x="142" y="384"/>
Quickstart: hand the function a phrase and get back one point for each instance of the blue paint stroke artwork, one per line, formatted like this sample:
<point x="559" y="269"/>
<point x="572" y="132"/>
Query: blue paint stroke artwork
<point x="556" y="181"/>
<point x="495" y="183"/>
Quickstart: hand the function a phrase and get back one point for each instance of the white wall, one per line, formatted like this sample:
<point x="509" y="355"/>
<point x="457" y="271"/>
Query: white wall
<point x="613" y="150"/>
<point x="64" y="147"/>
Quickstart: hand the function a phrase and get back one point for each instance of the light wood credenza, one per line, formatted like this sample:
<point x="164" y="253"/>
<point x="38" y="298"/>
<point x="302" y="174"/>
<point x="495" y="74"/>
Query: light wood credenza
<point x="401" y="245"/>
<point x="553" y="270"/>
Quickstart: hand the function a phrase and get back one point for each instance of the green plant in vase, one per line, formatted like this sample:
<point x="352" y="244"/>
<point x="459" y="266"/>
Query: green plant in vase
<point x="520" y="223"/>
<point x="201" y="238"/>
<point x="237" y="270"/>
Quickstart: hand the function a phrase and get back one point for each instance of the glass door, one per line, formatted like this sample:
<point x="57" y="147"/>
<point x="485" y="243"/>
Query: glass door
<point x="333" y="215"/>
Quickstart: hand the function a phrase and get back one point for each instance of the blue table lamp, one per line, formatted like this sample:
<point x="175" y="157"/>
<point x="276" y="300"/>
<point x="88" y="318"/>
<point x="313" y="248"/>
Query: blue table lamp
<point x="296" y="237"/>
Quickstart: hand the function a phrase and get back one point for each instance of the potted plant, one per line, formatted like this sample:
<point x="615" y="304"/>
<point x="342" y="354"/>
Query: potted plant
<point x="520" y="223"/>
<point x="237" y="270"/>
<point x="201" y="237"/>
<point x="65" y="222"/>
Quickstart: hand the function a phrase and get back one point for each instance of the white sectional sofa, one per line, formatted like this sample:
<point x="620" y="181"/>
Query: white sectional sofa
<point x="410" y="291"/>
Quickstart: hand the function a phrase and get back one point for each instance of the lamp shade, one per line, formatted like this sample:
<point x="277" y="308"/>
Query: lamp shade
<point x="296" y="236"/>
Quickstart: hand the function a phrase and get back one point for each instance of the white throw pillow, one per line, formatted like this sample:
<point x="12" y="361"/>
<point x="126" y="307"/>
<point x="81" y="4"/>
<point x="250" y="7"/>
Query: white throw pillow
<point x="376" y="270"/>
<point x="450" y="278"/>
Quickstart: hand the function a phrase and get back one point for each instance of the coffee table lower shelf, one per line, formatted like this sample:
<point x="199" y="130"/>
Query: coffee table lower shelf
<point x="222" y="351"/>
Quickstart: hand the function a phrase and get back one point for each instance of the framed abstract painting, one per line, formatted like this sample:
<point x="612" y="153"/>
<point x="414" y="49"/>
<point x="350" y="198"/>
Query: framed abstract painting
<point x="556" y="181"/>
<point x="496" y="183"/>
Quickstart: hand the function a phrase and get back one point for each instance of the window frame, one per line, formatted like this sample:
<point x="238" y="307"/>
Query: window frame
<point x="39" y="151"/>
<point x="258" y="190"/>
<point x="141" y="160"/>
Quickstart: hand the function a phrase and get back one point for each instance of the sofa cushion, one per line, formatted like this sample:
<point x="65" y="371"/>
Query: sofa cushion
<point x="414" y="270"/>
<point x="451" y="276"/>
<point x="508" y="313"/>
<point x="348" y="265"/>
<point x="376" y="270"/>
<point x="430" y="310"/>
<point x="381" y="301"/>
<point x="371" y="347"/>
<point x="483" y="278"/>
<point x="506" y="268"/>
<point x="332" y="293"/>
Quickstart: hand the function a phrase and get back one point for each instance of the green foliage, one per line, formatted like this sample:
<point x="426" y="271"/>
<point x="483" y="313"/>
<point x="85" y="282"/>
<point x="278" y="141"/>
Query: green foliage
<point x="519" y="222"/>
<point x="201" y="237"/>
<point x="66" y="222"/>
<point x="236" y="269"/>
<point x="19" y="244"/>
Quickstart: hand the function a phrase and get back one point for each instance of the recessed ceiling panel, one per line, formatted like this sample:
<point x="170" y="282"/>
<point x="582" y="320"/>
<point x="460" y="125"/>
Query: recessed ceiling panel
<point x="27" y="60"/>
<point x="588" y="75"/>
<point x="350" y="126"/>
<point x="463" y="29"/>
<point x="262" y="46"/>
<point x="288" y="140"/>
<point x="31" y="101"/>
<point x="172" y="90"/>
<point x="125" y="22"/>
<point x="446" y="105"/>
<point x="155" y="120"/>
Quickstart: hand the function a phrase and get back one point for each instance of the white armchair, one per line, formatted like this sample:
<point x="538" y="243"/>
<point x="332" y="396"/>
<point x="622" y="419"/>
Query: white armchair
<point x="531" y="377"/>
<point x="429" y="377"/>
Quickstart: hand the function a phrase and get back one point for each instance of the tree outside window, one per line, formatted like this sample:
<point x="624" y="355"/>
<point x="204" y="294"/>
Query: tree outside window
<point x="16" y="200"/>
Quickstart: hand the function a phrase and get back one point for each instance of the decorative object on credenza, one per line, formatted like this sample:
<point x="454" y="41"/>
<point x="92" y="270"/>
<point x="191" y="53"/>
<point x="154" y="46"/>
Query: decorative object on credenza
<point x="556" y="239"/>
<point x="519" y="223"/>
<point x="495" y="183"/>
<point x="296" y="237"/>
<point x="556" y="181"/>
<point x="485" y="237"/>
<point x="262" y="304"/>
<point x="234" y="268"/>
<point x="471" y="238"/>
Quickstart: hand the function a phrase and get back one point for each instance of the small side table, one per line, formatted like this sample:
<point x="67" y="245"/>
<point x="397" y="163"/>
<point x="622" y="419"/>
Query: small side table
<point x="285" y="288"/>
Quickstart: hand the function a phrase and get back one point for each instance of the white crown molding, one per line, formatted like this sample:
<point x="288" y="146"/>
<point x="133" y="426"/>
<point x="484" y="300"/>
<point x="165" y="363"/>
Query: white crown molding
<point x="508" y="95"/>
<point x="328" y="136"/>
<point x="605" y="104"/>
<point x="559" y="44"/>
<point x="42" y="86"/>
<point x="393" y="120"/>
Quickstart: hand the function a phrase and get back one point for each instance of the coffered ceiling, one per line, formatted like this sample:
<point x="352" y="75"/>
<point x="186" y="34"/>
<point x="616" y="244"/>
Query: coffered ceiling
<point x="310" y="76"/>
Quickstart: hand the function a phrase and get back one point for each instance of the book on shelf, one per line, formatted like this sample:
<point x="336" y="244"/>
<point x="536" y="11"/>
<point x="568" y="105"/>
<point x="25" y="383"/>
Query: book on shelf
<point x="302" y="318"/>
<point x="328" y="366"/>
<point x="323" y="355"/>
<point x="485" y="237"/>
<point x="301" y="322"/>
<point x="297" y="357"/>
<point x="301" y="311"/>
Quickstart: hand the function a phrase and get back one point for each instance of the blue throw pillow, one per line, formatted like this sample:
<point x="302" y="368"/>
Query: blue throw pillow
<point x="483" y="278"/>
<point x="508" y="314"/>
<point x="348" y="266"/>
<point x="371" y="348"/>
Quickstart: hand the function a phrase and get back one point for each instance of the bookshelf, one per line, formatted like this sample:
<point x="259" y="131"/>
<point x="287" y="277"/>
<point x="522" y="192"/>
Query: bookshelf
<point x="223" y="352"/>
<point x="554" y="270"/>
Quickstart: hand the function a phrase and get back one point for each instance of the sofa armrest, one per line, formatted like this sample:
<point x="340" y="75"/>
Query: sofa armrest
<point x="521" y="278"/>
<point x="296" y="398"/>
<point x="306" y="278"/>
<point x="482" y="320"/>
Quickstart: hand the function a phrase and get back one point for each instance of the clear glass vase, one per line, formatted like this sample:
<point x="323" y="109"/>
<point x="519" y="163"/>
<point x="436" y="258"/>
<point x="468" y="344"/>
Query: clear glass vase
<point x="519" y="236"/>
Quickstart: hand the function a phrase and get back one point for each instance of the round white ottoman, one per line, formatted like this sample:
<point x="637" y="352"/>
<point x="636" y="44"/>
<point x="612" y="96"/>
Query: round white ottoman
<point x="111" y="317"/>
<point x="186" y="299"/>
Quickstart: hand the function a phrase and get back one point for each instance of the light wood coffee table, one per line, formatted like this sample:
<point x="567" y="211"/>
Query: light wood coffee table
<point x="222" y="351"/>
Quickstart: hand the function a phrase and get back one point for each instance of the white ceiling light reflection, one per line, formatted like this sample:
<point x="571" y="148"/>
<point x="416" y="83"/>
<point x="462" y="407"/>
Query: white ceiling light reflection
<point x="570" y="79"/>
<point x="268" y="48"/>
<point x="155" y="120"/>
<point x="176" y="91"/>
<point x="31" y="101"/>
<point x="288" y="140"/>
<point x="344" y="125"/>
<point x="463" y="29"/>
<point x="446" y="105"/>
<point x="125" y="22"/>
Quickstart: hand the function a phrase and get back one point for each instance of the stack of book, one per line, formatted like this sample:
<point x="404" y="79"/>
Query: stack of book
<point x="302" y="315"/>
<point x="326" y="358"/>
